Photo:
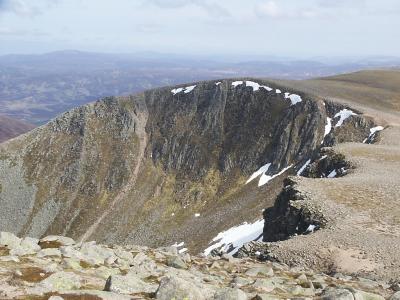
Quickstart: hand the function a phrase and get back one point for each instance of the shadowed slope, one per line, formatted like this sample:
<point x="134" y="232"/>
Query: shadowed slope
<point x="10" y="128"/>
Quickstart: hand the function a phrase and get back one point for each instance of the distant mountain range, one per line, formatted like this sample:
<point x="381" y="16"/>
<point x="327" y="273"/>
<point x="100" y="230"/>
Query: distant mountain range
<point x="36" y="88"/>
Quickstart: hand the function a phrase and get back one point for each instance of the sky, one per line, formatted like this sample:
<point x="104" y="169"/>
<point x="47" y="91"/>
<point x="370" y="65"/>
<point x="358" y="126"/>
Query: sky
<point x="295" y="28"/>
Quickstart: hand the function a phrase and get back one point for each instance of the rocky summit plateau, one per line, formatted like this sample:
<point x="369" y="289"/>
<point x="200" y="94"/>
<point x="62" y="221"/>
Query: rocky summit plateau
<point x="226" y="189"/>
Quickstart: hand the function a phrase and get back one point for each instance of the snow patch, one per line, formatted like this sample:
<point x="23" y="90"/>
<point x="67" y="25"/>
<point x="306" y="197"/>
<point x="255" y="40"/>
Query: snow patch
<point x="218" y="83"/>
<point x="183" y="250"/>
<point x="176" y="91"/>
<point x="232" y="239"/>
<point x="254" y="85"/>
<point x="343" y="114"/>
<point x="264" y="179"/>
<point x="373" y="131"/>
<point x="267" y="88"/>
<point x="301" y="170"/>
<point x="189" y="89"/>
<point x="178" y="245"/>
<point x="236" y="83"/>
<point x="260" y="171"/>
<point x="310" y="228"/>
<point x="278" y="91"/>
<point x="293" y="98"/>
<point x="328" y="126"/>
<point x="332" y="174"/>
<point x="186" y="90"/>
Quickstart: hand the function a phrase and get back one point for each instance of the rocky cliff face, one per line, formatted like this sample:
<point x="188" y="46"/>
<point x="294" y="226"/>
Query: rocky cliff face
<point x="167" y="165"/>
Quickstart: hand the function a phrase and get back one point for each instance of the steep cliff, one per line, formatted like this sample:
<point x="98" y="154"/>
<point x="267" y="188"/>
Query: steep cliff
<point x="167" y="165"/>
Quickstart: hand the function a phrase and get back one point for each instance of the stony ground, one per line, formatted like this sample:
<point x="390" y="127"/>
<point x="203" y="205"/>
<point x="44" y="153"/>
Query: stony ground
<point x="362" y="208"/>
<point x="58" y="268"/>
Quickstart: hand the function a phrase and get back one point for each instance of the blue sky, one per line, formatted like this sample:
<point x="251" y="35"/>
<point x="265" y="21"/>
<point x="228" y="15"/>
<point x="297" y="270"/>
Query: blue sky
<point x="296" y="28"/>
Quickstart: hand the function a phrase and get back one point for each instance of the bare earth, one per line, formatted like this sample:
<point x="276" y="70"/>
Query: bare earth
<point x="363" y="208"/>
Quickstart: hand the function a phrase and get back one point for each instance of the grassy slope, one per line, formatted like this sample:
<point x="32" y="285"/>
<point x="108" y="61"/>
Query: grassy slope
<point x="364" y="205"/>
<point x="375" y="92"/>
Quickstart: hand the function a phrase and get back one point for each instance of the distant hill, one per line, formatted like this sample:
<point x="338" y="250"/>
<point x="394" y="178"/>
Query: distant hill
<point x="39" y="87"/>
<point x="10" y="128"/>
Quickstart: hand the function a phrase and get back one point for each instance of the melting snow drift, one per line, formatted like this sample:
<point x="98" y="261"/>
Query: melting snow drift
<point x="186" y="90"/>
<point x="264" y="179"/>
<point x="343" y="114"/>
<point x="328" y="126"/>
<point x="231" y="240"/>
<point x="236" y="83"/>
<point x="373" y="131"/>
<point x="301" y="170"/>
<point x="293" y="98"/>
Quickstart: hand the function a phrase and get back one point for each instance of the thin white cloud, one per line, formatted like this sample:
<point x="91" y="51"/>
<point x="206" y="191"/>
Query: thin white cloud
<point x="211" y="7"/>
<point x="26" y="8"/>
<point x="271" y="9"/>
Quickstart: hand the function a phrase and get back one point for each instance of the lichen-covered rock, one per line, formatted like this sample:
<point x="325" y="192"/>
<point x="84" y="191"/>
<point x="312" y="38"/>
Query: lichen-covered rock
<point x="28" y="245"/>
<point x="179" y="289"/>
<point x="56" y="241"/>
<point x="395" y="296"/>
<point x="60" y="281"/>
<point x="176" y="262"/>
<point x="9" y="240"/>
<point x="129" y="284"/>
<point x="230" y="294"/>
<point x="49" y="252"/>
<point x="337" y="294"/>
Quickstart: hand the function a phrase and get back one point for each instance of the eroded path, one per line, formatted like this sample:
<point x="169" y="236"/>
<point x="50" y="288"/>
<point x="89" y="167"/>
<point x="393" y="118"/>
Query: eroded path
<point x="140" y="129"/>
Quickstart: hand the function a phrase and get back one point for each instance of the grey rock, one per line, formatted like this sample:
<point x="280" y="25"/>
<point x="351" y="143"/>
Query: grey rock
<point x="70" y="263"/>
<point x="56" y="298"/>
<point x="395" y="286"/>
<point x="337" y="294"/>
<point x="103" y="295"/>
<point x="239" y="281"/>
<point x="361" y="295"/>
<point x="124" y="255"/>
<point x="268" y="285"/>
<point x="27" y="246"/>
<point x="179" y="289"/>
<point x="105" y="272"/>
<point x="49" y="252"/>
<point x="261" y="270"/>
<point x="59" y="281"/>
<point x="176" y="262"/>
<point x="395" y="296"/>
<point x="265" y="297"/>
<point x="230" y="294"/>
<point x="71" y="252"/>
<point x="128" y="284"/>
<point x="9" y="240"/>
<point x="57" y="240"/>
<point x="8" y="258"/>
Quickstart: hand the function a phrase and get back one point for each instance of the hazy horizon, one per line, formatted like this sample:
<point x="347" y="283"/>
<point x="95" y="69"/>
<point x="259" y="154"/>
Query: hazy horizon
<point x="282" y="28"/>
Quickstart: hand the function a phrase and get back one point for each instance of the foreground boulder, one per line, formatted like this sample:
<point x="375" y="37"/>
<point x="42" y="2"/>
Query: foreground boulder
<point x="96" y="271"/>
